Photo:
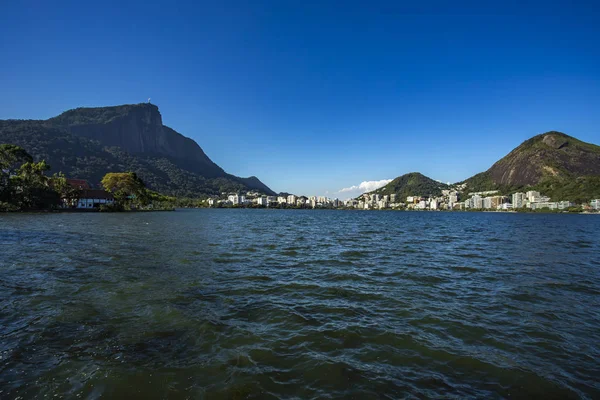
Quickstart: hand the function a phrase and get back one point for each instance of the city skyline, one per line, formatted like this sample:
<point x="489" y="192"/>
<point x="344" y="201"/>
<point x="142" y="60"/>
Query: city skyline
<point x="319" y="99"/>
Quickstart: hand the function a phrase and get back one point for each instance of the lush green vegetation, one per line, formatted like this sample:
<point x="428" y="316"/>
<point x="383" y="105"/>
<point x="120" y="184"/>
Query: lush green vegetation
<point x="83" y="158"/>
<point x="558" y="165"/>
<point x="94" y="115"/>
<point x="577" y="189"/>
<point x="412" y="184"/>
<point x="24" y="184"/>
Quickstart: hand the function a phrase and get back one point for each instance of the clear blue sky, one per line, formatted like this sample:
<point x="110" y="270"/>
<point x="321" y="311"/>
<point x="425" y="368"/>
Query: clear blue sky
<point x="315" y="96"/>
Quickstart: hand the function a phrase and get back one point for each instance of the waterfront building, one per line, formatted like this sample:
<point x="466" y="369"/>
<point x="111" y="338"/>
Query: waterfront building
<point x="433" y="205"/>
<point x="565" y="204"/>
<point x="595" y="204"/>
<point x="539" y="205"/>
<point x="533" y="196"/>
<point x="94" y="198"/>
<point x="262" y="201"/>
<point x="486" y="203"/>
<point x="291" y="199"/>
<point x="393" y="197"/>
<point x="236" y="199"/>
<point x="518" y="200"/>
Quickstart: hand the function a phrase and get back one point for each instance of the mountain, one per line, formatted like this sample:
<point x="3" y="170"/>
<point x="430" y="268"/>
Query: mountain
<point x="86" y="143"/>
<point x="412" y="184"/>
<point x="557" y="164"/>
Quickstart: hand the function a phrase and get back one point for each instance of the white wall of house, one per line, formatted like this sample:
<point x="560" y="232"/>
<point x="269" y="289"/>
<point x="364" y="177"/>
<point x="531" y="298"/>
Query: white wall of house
<point x="90" y="203"/>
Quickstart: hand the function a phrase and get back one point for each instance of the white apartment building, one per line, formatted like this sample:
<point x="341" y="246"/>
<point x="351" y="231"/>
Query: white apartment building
<point x="236" y="199"/>
<point x="595" y="204"/>
<point x="486" y="203"/>
<point x="518" y="200"/>
<point x="533" y="196"/>
<point x="476" y="201"/>
<point x="545" y="204"/>
<point x="291" y="199"/>
<point x="564" y="204"/>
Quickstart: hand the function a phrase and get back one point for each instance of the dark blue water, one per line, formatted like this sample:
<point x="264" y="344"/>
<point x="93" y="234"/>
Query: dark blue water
<point x="224" y="304"/>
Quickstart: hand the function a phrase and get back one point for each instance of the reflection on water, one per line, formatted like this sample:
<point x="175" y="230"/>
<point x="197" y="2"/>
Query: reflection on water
<point x="299" y="304"/>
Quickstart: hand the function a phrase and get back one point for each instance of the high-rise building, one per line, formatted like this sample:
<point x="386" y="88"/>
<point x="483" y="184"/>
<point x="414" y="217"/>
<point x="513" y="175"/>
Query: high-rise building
<point x="533" y="196"/>
<point x="518" y="200"/>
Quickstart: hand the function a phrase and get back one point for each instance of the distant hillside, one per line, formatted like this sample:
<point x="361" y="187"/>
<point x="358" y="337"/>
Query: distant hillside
<point x="412" y="184"/>
<point x="89" y="142"/>
<point x="557" y="164"/>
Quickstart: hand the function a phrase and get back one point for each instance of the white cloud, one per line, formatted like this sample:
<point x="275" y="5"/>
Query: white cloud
<point x="366" y="186"/>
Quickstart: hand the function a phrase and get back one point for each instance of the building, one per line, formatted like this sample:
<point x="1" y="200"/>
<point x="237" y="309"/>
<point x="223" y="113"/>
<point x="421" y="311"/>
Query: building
<point x="486" y="203"/>
<point x="498" y="201"/>
<point x="78" y="183"/>
<point x="393" y="198"/>
<point x="281" y="199"/>
<point x="236" y="199"/>
<point x="475" y="202"/>
<point x="595" y="204"/>
<point x="291" y="200"/>
<point x="453" y="198"/>
<point x="94" y="198"/>
<point x="262" y="201"/>
<point x="539" y="205"/>
<point x="518" y="200"/>
<point x="433" y="204"/>
<point x="564" y="204"/>
<point x="533" y="196"/>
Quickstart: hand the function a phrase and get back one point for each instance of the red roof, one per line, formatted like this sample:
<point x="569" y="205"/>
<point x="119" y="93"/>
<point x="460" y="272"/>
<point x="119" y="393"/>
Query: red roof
<point x="96" y="194"/>
<point x="78" y="183"/>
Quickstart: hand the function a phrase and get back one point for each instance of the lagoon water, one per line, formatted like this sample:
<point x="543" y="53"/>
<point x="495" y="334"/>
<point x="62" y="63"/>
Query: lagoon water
<point x="222" y="304"/>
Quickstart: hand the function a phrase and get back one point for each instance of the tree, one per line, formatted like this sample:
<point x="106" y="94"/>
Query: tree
<point x="127" y="188"/>
<point x="66" y="191"/>
<point x="31" y="187"/>
<point x="11" y="156"/>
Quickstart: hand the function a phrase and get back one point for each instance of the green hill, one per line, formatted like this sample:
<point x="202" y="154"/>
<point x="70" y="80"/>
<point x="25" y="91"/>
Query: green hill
<point x="87" y="143"/>
<point x="554" y="163"/>
<point x="412" y="184"/>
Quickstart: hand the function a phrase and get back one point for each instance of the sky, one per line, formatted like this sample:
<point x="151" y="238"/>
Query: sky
<point x="318" y="97"/>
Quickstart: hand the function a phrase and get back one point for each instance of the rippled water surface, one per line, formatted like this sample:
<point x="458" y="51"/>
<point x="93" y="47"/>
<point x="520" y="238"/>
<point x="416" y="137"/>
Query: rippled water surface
<point x="299" y="304"/>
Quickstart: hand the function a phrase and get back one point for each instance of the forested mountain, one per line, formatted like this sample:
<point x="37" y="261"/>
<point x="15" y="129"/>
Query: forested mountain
<point x="412" y="184"/>
<point x="557" y="164"/>
<point x="87" y="143"/>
